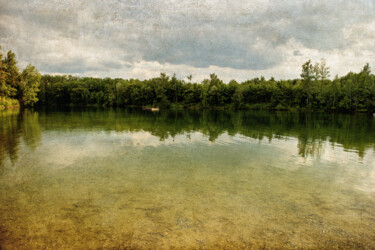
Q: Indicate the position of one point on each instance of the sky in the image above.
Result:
(236, 39)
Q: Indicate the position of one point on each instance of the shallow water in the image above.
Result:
(213, 179)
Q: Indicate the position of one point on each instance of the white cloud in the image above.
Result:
(235, 39)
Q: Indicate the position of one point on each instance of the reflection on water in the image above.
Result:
(133, 178)
(14, 126)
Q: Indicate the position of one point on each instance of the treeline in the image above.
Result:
(17, 88)
(314, 91)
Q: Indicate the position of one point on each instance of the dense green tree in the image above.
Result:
(12, 73)
(3, 87)
(314, 91)
(354, 92)
(29, 86)
(308, 73)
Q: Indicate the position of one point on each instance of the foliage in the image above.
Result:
(23, 87)
(12, 74)
(6, 103)
(353, 92)
(314, 91)
(28, 86)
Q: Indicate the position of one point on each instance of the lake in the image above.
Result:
(132, 178)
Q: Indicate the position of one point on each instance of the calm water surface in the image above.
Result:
(213, 179)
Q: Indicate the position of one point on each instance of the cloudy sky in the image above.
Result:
(236, 39)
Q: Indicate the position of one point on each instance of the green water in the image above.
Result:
(189, 179)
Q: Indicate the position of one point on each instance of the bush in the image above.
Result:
(6, 103)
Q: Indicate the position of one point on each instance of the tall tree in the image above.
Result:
(29, 86)
(3, 74)
(323, 71)
(190, 77)
(308, 73)
(12, 73)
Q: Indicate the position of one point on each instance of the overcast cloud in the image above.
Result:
(235, 39)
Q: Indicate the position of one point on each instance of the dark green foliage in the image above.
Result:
(353, 92)
(12, 73)
(314, 91)
(28, 86)
(9, 74)
(17, 88)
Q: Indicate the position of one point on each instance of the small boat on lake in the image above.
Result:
(151, 108)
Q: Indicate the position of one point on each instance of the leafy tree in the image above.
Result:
(314, 91)
(29, 86)
(12, 73)
(3, 87)
(323, 71)
(308, 73)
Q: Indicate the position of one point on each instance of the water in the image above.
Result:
(188, 179)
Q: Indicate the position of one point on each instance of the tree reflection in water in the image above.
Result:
(352, 132)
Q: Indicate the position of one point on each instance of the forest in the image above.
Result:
(313, 91)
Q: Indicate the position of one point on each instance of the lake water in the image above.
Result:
(187, 179)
